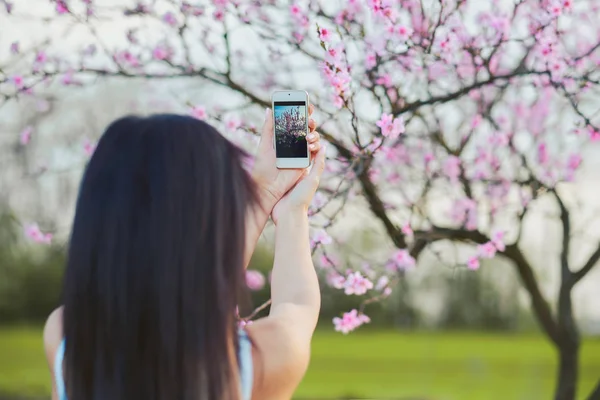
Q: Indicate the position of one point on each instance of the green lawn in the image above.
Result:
(424, 366)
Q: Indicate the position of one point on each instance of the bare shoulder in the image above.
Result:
(53, 334)
(280, 358)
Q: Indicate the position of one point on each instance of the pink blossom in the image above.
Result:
(67, 79)
(242, 324)
(255, 279)
(338, 102)
(486, 250)
(127, 58)
(160, 53)
(170, 18)
(61, 7)
(88, 147)
(452, 168)
(41, 57)
(385, 80)
(464, 212)
(14, 48)
(219, 15)
(498, 240)
(370, 60)
(26, 135)
(298, 36)
(407, 230)
(542, 153)
(594, 134)
(33, 232)
(357, 284)
(295, 10)
(199, 112)
(473, 263)
(232, 124)
(391, 127)
(476, 121)
(404, 32)
(327, 261)
(319, 200)
(335, 54)
(322, 237)
(350, 321)
(382, 283)
(335, 280)
(325, 35)
(574, 161)
(402, 259)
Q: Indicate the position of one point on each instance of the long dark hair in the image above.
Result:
(155, 264)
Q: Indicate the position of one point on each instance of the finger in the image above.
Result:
(318, 166)
(314, 147)
(313, 137)
(312, 125)
(311, 109)
(266, 137)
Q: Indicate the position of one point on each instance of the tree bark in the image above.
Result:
(595, 395)
(568, 335)
(568, 344)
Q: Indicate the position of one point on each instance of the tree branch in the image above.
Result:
(565, 219)
(377, 206)
(540, 305)
(465, 90)
(591, 263)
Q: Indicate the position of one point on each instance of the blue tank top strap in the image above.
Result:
(246, 373)
(246, 366)
(58, 371)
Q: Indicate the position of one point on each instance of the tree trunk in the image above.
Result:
(568, 344)
(595, 395)
(568, 370)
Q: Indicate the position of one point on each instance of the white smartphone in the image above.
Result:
(290, 122)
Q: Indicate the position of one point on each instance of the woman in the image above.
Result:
(166, 222)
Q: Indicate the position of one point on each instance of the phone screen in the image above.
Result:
(290, 129)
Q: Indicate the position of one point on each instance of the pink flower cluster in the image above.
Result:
(452, 168)
(321, 237)
(34, 233)
(198, 112)
(401, 260)
(351, 13)
(357, 284)
(255, 279)
(89, 147)
(465, 213)
(350, 321)
(487, 250)
(26, 135)
(391, 127)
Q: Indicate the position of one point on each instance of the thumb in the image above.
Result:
(266, 137)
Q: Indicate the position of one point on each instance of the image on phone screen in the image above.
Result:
(290, 129)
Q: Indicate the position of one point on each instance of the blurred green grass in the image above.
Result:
(371, 364)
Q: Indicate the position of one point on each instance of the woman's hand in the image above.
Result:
(299, 198)
(274, 183)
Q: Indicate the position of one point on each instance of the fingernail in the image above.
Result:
(311, 136)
